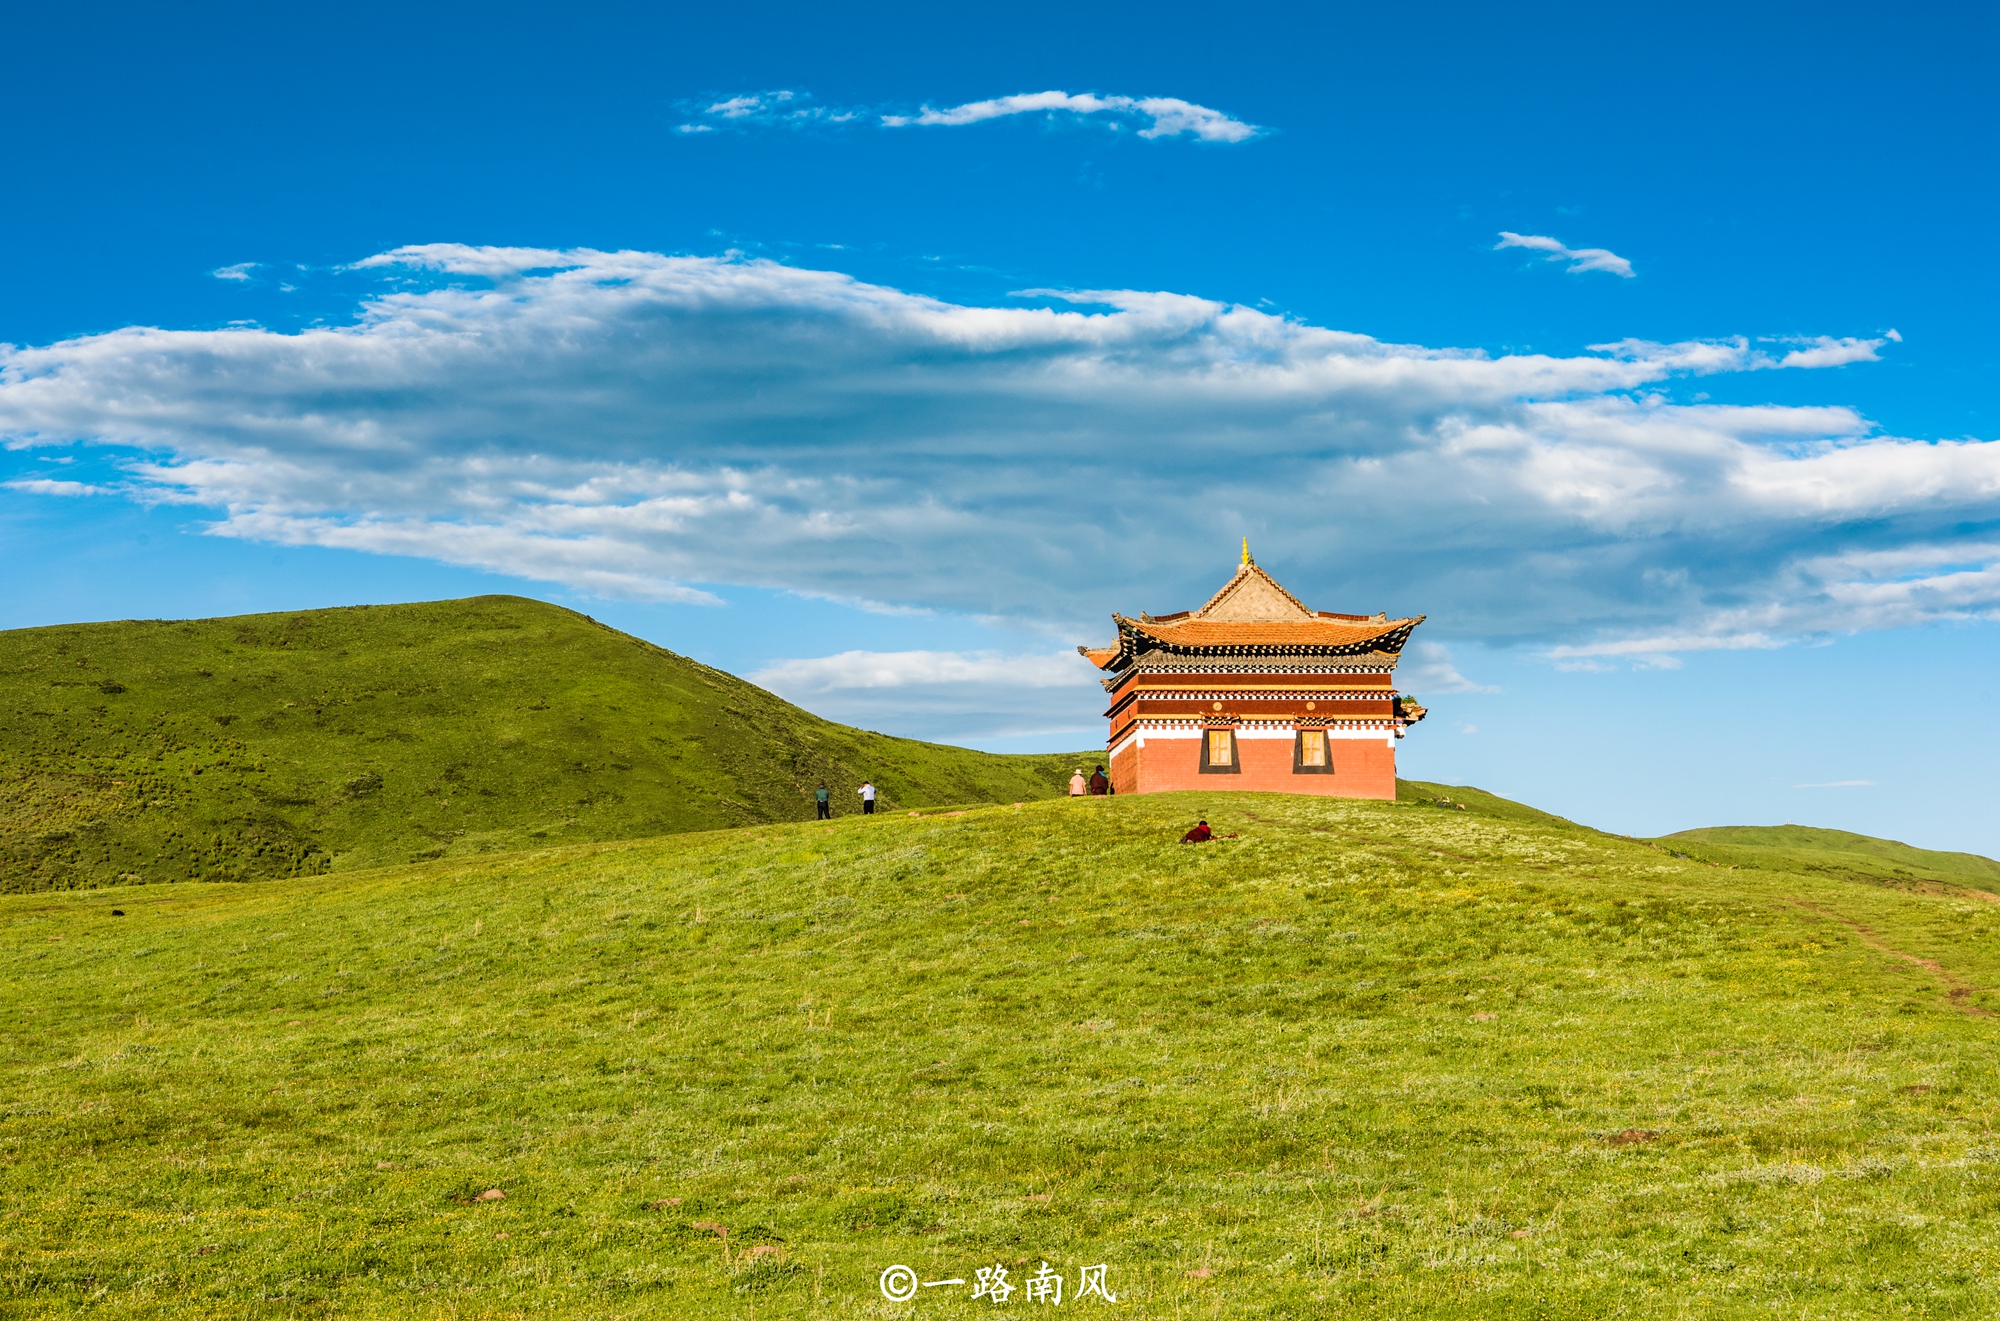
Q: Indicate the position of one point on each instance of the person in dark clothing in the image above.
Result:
(824, 801)
(1201, 834)
(1100, 783)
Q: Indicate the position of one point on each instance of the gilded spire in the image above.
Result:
(1246, 550)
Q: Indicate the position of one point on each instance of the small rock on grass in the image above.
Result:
(666, 1201)
(490, 1195)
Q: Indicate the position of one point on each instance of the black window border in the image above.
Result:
(1235, 766)
(1299, 766)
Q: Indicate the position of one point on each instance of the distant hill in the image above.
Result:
(1812, 849)
(288, 744)
(1796, 850)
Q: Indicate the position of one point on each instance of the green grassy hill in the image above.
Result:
(271, 745)
(1838, 853)
(1361, 1059)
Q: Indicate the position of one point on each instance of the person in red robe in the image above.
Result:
(1201, 834)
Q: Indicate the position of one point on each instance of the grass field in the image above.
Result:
(322, 740)
(1361, 1059)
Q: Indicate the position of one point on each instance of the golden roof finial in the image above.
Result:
(1246, 550)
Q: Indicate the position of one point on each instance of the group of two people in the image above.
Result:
(823, 799)
(1098, 783)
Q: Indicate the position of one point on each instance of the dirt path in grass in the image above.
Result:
(1957, 990)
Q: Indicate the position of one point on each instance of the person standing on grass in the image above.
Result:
(823, 800)
(1100, 783)
(867, 792)
(1078, 786)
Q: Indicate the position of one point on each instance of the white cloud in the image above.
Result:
(902, 669)
(240, 271)
(1579, 259)
(982, 694)
(647, 426)
(1157, 116)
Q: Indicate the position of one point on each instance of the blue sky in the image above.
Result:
(879, 354)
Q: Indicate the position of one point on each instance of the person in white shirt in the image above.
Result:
(1078, 786)
(867, 792)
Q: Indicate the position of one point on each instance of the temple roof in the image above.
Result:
(1252, 615)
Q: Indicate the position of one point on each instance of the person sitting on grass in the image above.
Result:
(1201, 834)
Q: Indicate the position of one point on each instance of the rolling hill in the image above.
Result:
(1375, 1060)
(289, 744)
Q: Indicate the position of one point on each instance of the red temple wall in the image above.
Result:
(1362, 768)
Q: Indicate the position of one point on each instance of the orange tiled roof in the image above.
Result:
(1252, 616)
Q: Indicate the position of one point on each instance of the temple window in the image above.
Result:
(1312, 754)
(1218, 753)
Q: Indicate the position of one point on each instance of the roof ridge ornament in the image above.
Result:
(1246, 551)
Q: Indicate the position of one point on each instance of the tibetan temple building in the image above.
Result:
(1258, 688)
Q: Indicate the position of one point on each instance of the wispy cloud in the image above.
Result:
(1822, 351)
(1164, 116)
(240, 271)
(46, 486)
(1154, 116)
(1704, 357)
(1428, 668)
(778, 108)
(1579, 259)
(1839, 784)
(641, 425)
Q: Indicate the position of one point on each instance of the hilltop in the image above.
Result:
(297, 743)
(1358, 1059)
